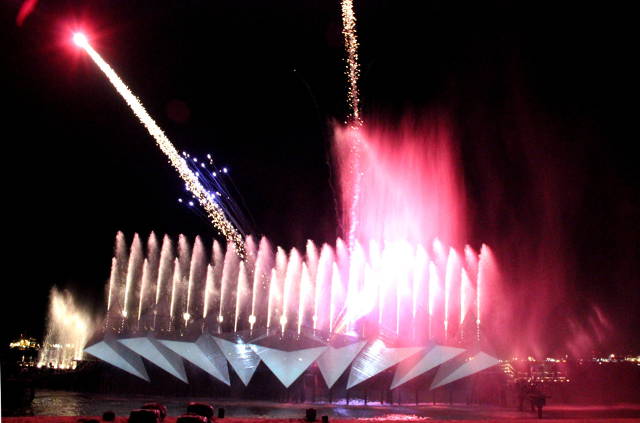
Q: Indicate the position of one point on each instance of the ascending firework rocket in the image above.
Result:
(206, 200)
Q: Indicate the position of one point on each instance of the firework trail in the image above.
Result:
(353, 67)
(213, 210)
(214, 180)
(354, 119)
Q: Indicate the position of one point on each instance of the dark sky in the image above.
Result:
(542, 98)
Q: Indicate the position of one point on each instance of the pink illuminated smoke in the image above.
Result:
(410, 188)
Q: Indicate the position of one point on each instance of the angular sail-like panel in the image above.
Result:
(411, 368)
(288, 365)
(376, 358)
(205, 354)
(334, 361)
(241, 357)
(151, 349)
(456, 369)
(117, 355)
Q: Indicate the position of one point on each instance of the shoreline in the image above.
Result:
(406, 419)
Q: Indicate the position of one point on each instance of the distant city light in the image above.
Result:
(25, 343)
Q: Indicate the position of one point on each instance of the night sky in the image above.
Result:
(542, 99)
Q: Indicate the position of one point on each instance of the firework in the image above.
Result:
(219, 186)
(213, 210)
(355, 120)
(353, 67)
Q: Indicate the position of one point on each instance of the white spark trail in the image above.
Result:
(355, 120)
(215, 213)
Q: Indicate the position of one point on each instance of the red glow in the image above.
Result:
(28, 6)
(410, 188)
(410, 197)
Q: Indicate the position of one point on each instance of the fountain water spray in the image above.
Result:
(68, 330)
(390, 287)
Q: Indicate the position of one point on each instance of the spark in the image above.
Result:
(354, 120)
(213, 210)
(219, 191)
(353, 67)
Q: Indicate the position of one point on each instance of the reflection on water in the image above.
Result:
(62, 403)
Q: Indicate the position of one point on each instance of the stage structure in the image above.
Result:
(363, 311)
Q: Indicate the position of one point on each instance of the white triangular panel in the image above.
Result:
(474, 364)
(411, 368)
(204, 353)
(158, 354)
(114, 353)
(288, 365)
(334, 361)
(376, 358)
(241, 357)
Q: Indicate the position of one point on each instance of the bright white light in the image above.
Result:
(80, 39)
